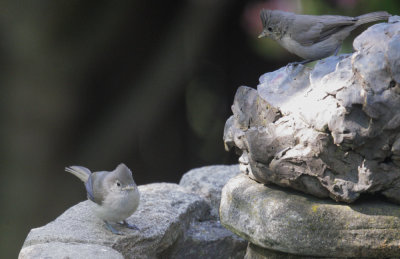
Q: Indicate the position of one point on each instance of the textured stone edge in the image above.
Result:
(114, 244)
(68, 250)
(374, 251)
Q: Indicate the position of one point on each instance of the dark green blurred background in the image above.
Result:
(147, 83)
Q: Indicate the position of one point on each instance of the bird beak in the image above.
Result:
(128, 188)
(263, 34)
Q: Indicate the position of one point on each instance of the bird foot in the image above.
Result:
(303, 62)
(293, 67)
(126, 224)
(293, 64)
(113, 230)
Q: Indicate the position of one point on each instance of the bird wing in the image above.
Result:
(89, 189)
(95, 191)
(310, 29)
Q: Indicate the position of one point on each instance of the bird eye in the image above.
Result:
(118, 184)
(269, 28)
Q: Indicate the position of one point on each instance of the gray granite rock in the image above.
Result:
(165, 211)
(208, 182)
(256, 252)
(290, 222)
(54, 250)
(173, 223)
(331, 131)
(208, 239)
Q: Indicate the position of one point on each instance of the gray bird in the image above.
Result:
(115, 194)
(312, 37)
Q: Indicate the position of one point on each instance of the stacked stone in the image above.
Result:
(330, 132)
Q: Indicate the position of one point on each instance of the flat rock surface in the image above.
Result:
(256, 252)
(163, 214)
(291, 222)
(174, 222)
(65, 250)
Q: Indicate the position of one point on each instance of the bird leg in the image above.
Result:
(126, 224)
(337, 49)
(293, 65)
(113, 230)
(300, 62)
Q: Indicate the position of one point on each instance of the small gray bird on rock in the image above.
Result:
(114, 194)
(312, 37)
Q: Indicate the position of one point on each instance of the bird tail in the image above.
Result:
(372, 17)
(79, 171)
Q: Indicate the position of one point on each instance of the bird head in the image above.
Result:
(265, 16)
(121, 179)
